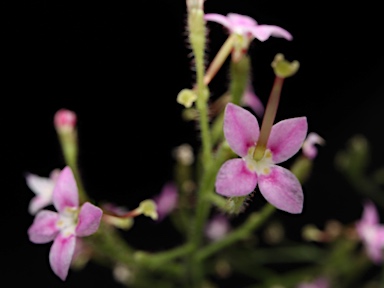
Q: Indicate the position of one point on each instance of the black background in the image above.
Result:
(120, 64)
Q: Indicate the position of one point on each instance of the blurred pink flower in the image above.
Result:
(309, 149)
(166, 201)
(371, 232)
(217, 227)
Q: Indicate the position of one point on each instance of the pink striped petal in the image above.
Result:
(61, 253)
(89, 220)
(65, 193)
(234, 179)
(263, 32)
(286, 138)
(282, 189)
(218, 19)
(241, 129)
(370, 214)
(43, 228)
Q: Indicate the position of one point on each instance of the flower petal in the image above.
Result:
(43, 228)
(223, 20)
(89, 220)
(263, 32)
(370, 214)
(241, 129)
(286, 138)
(61, 253)
(234, 179)
(282, 189)
(251, 100)
(39, 185)
(65, 193)
(166, 201)
(37, 203)
(309, 149)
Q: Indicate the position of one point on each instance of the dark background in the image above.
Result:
(120, 64)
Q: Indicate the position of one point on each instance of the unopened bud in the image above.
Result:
(184, 154)
(284, 68)
(65, 120)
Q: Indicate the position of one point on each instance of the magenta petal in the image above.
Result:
(251, 100)
(263, 32)
(286, 138)
(234, 179)
(241, 129)
(167, 200)
(370, 214)
(65, 193)
(89, 220)
(43, 228)
(218, 19)
(282, 189)
(241, 20)
(60, 255)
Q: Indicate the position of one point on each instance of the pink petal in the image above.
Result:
(309, 148)
(241, 20)
(241, 129)
(286, 138)
(89, 220)
(65, 193)
(61, 253)
(370, 214)
(251, 100)
(37, 203)
(166, 201)
(218, 19)
(263, 32)
(282, 189)
(375, 253)
(43, 228)
(39, 185)
(234, 179)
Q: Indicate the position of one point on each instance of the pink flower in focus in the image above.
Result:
(251, 100)
(247, 26)
(217, 227)
(317, 283)
(239, 177)
(43, 188)
(64, 227)
(65, 120)
(166, 201)
(371, 232)
(309, 148)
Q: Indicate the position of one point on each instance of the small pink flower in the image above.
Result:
(317, 283)
(43, 188)
(309, 148)
(166, 201)
(251, 100)
(64, 227)
(65, 120)
(217, 228)
(371, 232)
(248, 27)
(239, 177)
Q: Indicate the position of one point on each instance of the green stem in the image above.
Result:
(269, 118)
(254, 221)
(239, 78)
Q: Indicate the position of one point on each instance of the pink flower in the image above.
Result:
(371, 232)
(239, 177)
(43, 188)
(317, 283)
(246, 26)
(64, 227)
(217, 227)
(166, 201)
(65, 120)
(309, 148)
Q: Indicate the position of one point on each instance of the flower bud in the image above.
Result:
(65, 120)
